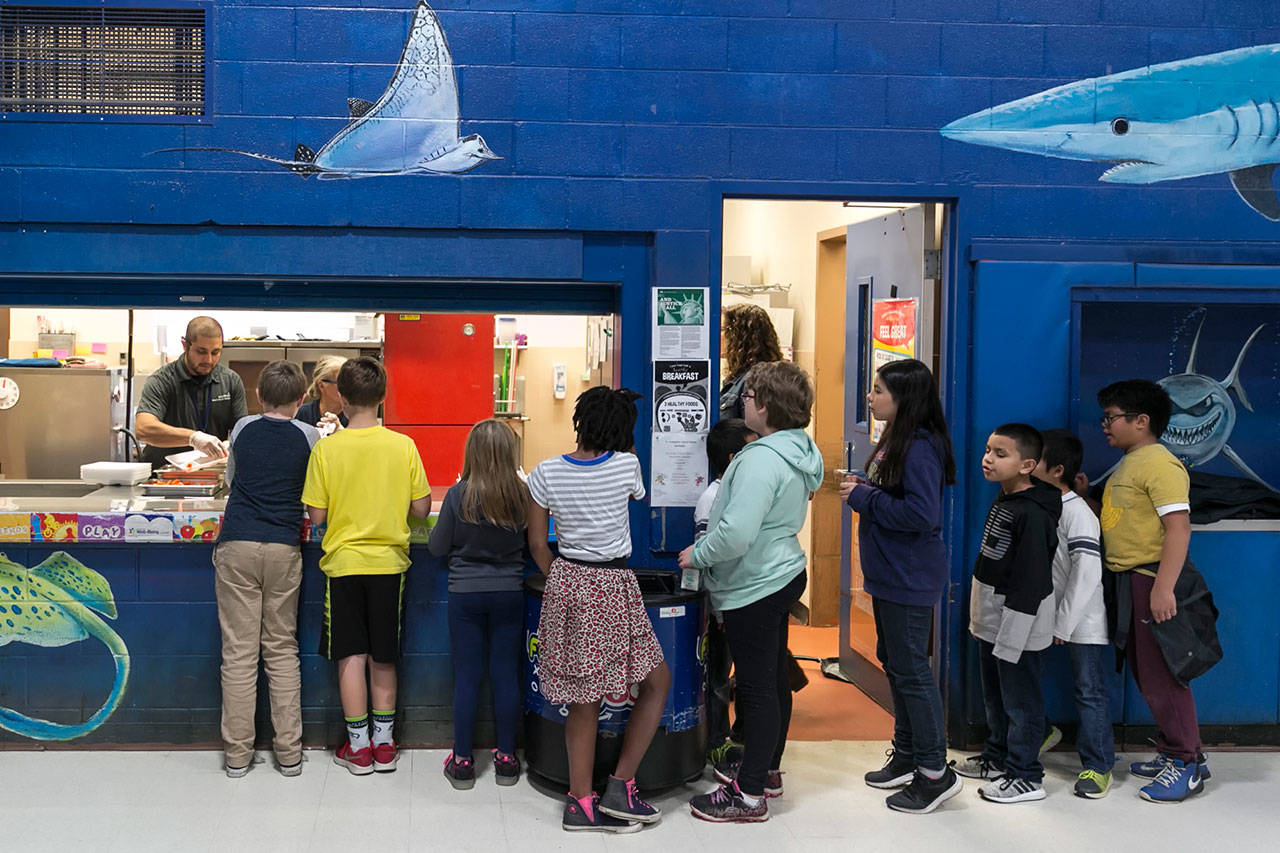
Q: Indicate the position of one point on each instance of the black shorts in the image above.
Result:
(362, 616)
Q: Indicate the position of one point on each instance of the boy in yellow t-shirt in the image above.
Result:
(364, 481)
(1146, 531)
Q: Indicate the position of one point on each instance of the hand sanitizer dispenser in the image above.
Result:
(560, 380)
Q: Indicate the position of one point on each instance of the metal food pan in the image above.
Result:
(203, 490)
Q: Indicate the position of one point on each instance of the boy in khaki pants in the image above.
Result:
(258, 569)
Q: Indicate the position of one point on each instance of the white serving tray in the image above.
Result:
(115, 473)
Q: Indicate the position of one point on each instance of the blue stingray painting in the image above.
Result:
(412, 129)
(1199, 116)
(53, 605)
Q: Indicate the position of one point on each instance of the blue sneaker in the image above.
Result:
(1176, 782)
(1151, 768)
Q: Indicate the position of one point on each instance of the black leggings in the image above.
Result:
(758, 639)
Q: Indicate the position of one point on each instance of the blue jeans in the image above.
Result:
(1015, 711)
(486, 626)
(1095, 741)
(902, 646)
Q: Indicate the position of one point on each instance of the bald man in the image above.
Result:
(192, 402)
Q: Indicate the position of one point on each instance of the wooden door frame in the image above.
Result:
(828, 426)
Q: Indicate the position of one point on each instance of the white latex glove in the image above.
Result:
(329, 424)
(209, 445)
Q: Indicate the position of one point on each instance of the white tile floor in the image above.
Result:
(181, 801)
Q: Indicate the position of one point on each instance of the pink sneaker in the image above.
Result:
(359, 762)
(385, 757)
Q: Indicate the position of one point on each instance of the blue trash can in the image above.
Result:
(678, 751)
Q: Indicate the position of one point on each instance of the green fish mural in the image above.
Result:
(52, 605)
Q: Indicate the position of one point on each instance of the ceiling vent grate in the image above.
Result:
(133, 61)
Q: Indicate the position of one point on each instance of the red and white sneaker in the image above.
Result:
(359, 762)
(385, 757)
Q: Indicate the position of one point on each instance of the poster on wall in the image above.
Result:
(893, 338)
(679, 468)
(681, 418)
(681, 327)
(681, 396)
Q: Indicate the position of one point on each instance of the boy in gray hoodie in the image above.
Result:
(755, 571)
(1011, 615)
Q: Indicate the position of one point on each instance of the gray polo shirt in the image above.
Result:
(210, 403)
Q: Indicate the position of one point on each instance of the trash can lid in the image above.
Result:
(658, 587)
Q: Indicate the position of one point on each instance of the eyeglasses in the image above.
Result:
(1107, 420)
(329, 381)
(747, 395)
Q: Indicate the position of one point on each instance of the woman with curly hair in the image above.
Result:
(747, 338)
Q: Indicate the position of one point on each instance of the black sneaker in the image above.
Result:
(897, 771)
(726, 805)
(461, 772)
(577, 820)
(727, 770)
(506, 768)
(923, 794)
(621, 800)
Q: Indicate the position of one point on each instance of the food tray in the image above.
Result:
(209, 475)
(178, 490)
(115, 473)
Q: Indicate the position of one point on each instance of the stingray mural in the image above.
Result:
(412, 129)
(1203, 412)
(53, 605)
(1199, 116)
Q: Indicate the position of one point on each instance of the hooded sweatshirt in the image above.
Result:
(1011, 603)
(751, 550)
(900, 530)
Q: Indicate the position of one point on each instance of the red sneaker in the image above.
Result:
(385, 757)
(359, 762)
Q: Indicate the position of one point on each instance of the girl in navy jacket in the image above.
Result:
(905, 570)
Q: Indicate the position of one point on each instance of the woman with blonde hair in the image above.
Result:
(481, 529)
(322, 393)
(747, 338)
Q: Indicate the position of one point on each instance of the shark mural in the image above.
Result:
(53, 605)
(412, 129)
(1199, 116)
(1204, 413)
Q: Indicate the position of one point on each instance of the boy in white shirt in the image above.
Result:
(725, 439)
(1080, 621)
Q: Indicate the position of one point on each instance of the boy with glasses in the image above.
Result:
(1146, 531)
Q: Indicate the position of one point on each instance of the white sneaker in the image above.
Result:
(978, 767)
(1007, 789)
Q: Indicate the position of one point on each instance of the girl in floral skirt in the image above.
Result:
(594, 635)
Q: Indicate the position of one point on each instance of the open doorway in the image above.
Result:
(825, 271)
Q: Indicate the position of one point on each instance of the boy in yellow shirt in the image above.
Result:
(363, 482)
(1146, 531)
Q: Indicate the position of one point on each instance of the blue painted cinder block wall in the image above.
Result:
(625, 124)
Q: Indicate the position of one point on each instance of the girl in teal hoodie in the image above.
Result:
(755, 571)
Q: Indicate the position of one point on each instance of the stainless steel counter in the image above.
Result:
(17, 496)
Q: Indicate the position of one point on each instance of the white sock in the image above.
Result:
(383, 723)
(933, 774)
(751, 801)
(358, 732)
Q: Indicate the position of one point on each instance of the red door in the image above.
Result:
(439, 383)
(439, 368)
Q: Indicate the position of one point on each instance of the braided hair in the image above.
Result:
(604, 418)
